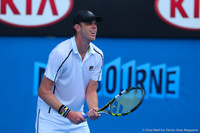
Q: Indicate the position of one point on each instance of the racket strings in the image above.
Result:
(126, 102)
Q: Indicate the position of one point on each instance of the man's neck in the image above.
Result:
(82, 46)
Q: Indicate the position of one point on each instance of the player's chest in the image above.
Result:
(76, 65)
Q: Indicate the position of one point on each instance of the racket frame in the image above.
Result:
(102, 110)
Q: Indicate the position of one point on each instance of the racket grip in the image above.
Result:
(85, 116)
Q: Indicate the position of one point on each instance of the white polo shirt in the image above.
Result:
(71, 74)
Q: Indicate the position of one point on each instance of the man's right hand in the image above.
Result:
(75, 117)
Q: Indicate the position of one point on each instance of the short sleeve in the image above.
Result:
(54, 69)
(97, 72)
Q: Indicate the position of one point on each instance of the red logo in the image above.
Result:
(34, 13)
(91, 68)
(182, 14)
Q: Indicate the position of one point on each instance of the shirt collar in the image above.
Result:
(75, 49)
(74, 46)
(91, 49)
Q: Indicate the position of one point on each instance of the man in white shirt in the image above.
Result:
(73, 70)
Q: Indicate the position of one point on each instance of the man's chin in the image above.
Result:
(92, 39)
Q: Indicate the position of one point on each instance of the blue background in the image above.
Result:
(18, 102)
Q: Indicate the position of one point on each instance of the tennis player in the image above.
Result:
(73, 70)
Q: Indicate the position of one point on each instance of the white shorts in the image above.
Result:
(55, 123)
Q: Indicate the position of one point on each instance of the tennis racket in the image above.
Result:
(124, 103)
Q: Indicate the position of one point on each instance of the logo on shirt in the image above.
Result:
(91, 68)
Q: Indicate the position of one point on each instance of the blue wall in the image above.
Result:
(168, 70)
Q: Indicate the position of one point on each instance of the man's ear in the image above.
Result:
(77, 27)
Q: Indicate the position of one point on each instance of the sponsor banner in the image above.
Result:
(34, 13)
(158, 81)
(152, 18)
(182, 14)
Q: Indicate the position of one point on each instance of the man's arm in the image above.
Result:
(46, 94)
(92, 100)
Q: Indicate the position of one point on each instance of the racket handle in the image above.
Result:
(85, 116)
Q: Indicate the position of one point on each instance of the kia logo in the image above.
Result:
(34, 13)
(182, 14)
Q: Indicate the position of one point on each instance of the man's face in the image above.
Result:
(89, 30)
